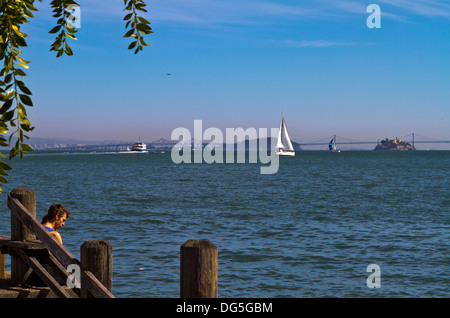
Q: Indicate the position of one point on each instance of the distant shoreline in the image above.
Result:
(48, 144)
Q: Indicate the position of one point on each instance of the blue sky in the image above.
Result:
(241, 64)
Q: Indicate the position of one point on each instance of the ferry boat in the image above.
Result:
(139, 146)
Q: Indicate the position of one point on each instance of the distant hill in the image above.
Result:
(64, 144)
(160, 144)
(248, 144)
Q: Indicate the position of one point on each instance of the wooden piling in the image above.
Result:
(198, 269)
(2, 264)
(19, 232)
(96, 257)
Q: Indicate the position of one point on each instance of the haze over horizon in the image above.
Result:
(241, 64)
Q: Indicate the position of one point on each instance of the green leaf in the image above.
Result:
(25, 89)
(6, 106)
(143, 20)
(26, 148)
(55, 29)
(5, 166)
(23, 65)
(8, 78)
(71, 36)
(143, 27)
(8, 116)
(3, 180)
(132, 45)
(25, 121)
(26, 99)
(22, 60)
(3, 128)
(68, 50)
(129, 33)
(20, 41)
(9, 94)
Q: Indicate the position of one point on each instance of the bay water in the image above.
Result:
(310, 230)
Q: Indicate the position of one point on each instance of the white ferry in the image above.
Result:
(139, 146)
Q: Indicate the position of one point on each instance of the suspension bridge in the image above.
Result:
(412, 139)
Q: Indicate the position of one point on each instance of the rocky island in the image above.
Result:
(394, 144)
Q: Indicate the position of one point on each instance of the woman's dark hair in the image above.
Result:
(55, 210)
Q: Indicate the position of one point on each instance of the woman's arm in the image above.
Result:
(57, 235)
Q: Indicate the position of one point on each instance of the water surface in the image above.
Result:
(311, 230)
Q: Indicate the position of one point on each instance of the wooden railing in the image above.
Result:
(35, 254)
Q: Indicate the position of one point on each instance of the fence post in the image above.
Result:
(20, 232)
(96, 257)
(198, 269)
(2, 264)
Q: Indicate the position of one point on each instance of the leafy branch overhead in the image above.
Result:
(138, 26)
(15, 96)
(66, 29)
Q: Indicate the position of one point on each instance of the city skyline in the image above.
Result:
(243, 64)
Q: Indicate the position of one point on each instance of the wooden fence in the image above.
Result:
(37, 257)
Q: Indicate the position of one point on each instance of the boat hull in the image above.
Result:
(139, 147)
(285, 153)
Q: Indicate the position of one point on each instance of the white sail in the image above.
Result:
(279, 142)
(284, 144)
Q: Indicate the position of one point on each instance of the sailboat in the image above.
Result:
(332, 145)
(284, 144)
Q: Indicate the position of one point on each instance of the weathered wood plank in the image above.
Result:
(2, 255)
(2, 264)
(44, 275)
(33, 245)
(94, 286)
